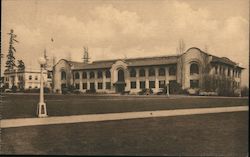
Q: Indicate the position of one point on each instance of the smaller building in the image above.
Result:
(26, 79)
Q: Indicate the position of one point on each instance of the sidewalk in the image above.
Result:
(8, 123)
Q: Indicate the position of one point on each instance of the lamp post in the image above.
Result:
(41, 106)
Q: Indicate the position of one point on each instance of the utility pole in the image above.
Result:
(86, 55)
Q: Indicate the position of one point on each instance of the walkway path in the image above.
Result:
(8, 123)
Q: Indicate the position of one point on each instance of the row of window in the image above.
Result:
(132, 85)
(222, 70)
(92, 85)
(172, 72)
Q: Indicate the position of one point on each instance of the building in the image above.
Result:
(190, 70)
(27, 79)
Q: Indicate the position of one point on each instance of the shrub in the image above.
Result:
(14, 88)
(245, 91)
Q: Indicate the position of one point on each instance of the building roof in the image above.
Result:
(144, 61)
(215, 59)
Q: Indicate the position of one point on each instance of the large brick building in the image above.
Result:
(133, 74)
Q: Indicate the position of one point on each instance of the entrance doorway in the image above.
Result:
(120, 84)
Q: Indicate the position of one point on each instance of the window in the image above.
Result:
(99, 74)
(121, 75)
(77, 86)
(151, 72)
(133, 85)
(84, 86)
(216, 70)
(30, 77)
(84, 75)
(151, 84)
(194, 69)
(194, 83)
(161, 83)
(20, 78)
(142, 84)
(49, 75)
(132, 73)
(142, 73)
(63, 75)
(36, 87)
(108, 85)
(172, 70)
(63, 85)
(92, 86)
(77, 76)
(161, 72)
(36, 78)
(228, 72)
(99, 85)
(30, 87)
(107, 73)
(91, 74)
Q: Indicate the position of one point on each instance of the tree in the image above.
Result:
(180, 50)
(21, 65)
(10, 63)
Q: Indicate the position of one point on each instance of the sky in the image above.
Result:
(125, 28)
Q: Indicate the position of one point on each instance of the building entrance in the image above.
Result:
(120, 84)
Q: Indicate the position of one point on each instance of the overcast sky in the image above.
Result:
(131, 28)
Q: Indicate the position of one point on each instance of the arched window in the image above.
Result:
(151, 72)
(84, 75)
(91, 74)
(107, 73)
(172, 70)
(132, 73)
(194, 69)
(142, 72)
(77, 76)
(161, 72)
(63, 75)
(121, 75)
(99, 74)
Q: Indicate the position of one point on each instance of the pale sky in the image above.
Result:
(131, 28)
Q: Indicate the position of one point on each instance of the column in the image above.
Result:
(156, 79)
(80, 81)
(104, 80)
(166, 74)
(88, 83)
(96, 83)
(167, 80)
(137, 79)
(146, 76)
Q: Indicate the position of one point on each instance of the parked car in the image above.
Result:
(76, 91)
(125, 92)
(161, 92)
(8, 90)
(146, 91)
(193, 91)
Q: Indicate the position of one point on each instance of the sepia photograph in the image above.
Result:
(124, 77)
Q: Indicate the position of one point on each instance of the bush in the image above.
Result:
(91, 91)
(14, 88)
(245, 91)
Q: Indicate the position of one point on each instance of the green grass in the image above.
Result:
(224, 134)
(24, 106)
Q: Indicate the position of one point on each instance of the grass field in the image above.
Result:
(24, 106)
(224, 134)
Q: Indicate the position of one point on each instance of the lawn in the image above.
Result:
(223, 134)
(24, 106)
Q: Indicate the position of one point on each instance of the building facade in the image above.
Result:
(190, 70)
(27, 79)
